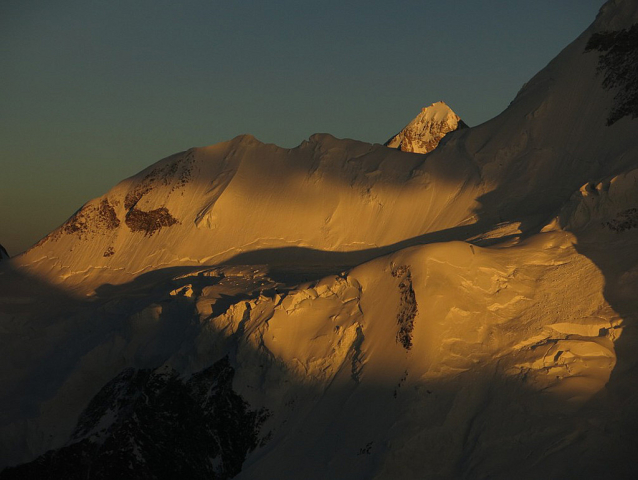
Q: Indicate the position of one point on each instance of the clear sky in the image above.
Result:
(94, 91)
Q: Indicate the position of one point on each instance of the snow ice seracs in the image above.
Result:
(510, 353)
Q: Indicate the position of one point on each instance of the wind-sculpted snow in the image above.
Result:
(469, 313)
(211, 204)
(610, 203)
(324, 354)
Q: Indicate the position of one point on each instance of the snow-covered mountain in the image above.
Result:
(427, 129)
(346, 310)
(213, 204)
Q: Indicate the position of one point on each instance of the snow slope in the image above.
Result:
(362, 312)
(345, 196)
(427, 129)
(210, 204)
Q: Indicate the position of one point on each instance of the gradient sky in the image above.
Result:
(94, 91)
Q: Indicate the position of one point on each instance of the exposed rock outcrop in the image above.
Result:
(154, 424)
(423, 134)
(618, 62)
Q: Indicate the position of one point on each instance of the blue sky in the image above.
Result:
(94, 91)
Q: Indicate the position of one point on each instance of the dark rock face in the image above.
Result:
(147, 424)
(3, 253)
(149, 222)
(177, 174)
(407, 307)
(427, 139)
(92, 219)
(619, 65)
(625, 220)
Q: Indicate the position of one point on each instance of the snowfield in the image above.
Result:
(349, 310)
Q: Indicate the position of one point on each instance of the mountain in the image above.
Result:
(217, 204)
(3, 253)
(347, 310)
(213, 444)
(423, 134)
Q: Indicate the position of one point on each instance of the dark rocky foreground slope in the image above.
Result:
(154, 424)
(468, 313)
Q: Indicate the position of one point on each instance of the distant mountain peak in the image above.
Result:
(423, 134)
(3, 253)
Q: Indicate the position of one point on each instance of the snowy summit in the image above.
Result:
(346, 310)
(423, 134)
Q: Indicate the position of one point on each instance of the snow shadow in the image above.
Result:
(476, 424)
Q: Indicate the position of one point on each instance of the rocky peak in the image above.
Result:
(3, 254)
(423, 134)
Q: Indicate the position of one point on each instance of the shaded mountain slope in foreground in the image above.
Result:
(152, 424)
(469, 313)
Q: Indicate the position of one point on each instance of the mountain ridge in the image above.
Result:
(424, 133)
(477, 319)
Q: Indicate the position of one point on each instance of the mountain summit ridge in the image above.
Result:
(427, 129)
(371, 313)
